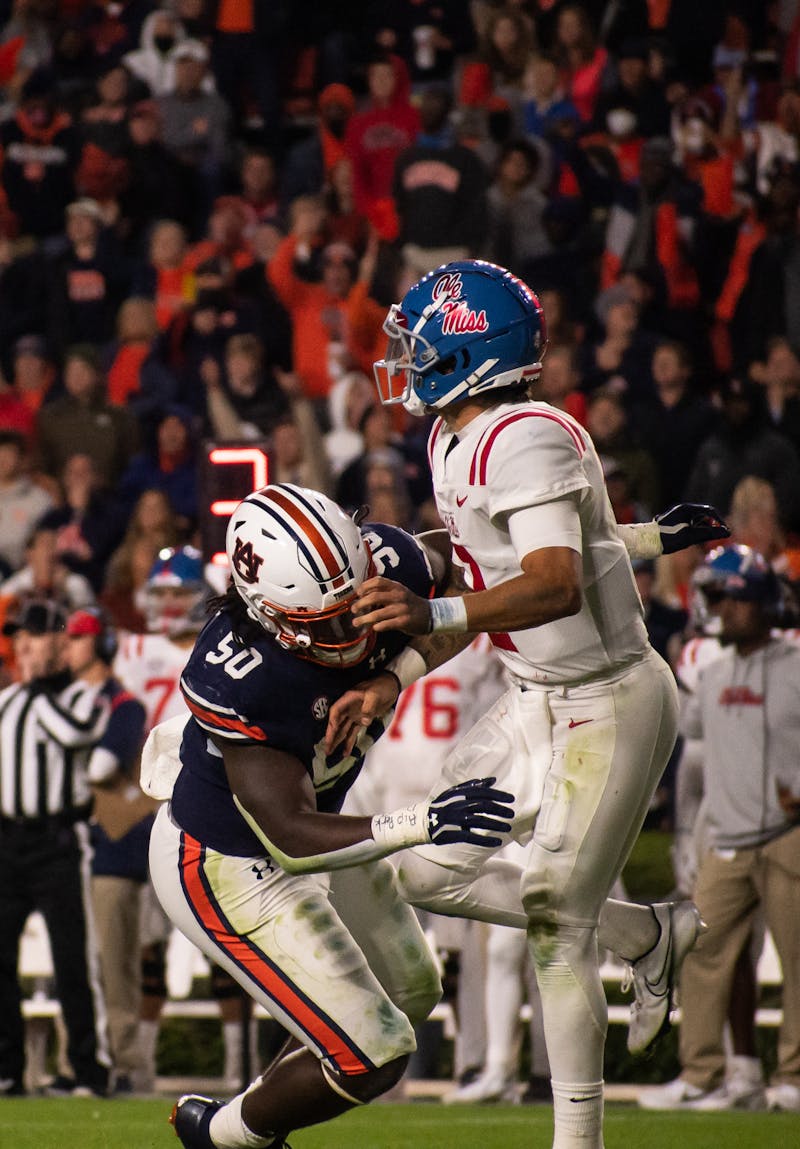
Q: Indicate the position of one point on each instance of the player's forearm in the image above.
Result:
(520, 603)
(317, 843)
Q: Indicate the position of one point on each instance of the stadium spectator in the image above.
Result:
(619, 358)
(152, 63)
(162, 274)
(247, 45)
(46, 575)
(245, 399)
(381, 441)
(583, 61)
(439, 190)
(167, 464)
(39, 148)
(348, 400)
(258, 189)
(196, 127)
(86, 282)
(33, 372)
(298, 455)
(152, 526)
(15, 414)
(88, 523)
(558, 382)
(137, 378)
(614, 436)
(83, 420)
(430, 36)
(734, 340)
(102, 172)
(675, 420)
(156, 184)
(310, 161)
(652, 228)
(635, 90)
(317, 310)
(516, 234)
(545, 107)
(22, 501)
(374, 139)
(495, 78)
(779, 375)
(742, 444)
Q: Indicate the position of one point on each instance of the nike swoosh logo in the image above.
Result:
(580, 722)
(578, 1100)
(460, 502)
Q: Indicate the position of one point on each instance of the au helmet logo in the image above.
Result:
(458, 318)
(246, 562)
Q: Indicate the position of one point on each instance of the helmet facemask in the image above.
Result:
(329, 637)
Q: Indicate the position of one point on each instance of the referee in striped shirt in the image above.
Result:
(48, 724)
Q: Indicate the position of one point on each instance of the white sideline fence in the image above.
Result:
(185, 963)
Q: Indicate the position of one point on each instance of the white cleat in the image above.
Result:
(677, 1094)
(784, 1096)
(655, 973)
(489, 1087)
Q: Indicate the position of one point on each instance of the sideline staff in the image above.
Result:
(48, 724)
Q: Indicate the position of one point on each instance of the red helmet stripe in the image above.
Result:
(333, 563)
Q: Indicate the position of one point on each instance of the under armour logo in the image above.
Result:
(245, 561)
(266, 868)
(377, 659)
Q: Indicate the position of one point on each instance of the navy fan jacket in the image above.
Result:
(264, 695)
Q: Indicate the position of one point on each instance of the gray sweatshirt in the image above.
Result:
(747, 710)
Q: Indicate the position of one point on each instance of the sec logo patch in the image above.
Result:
(319, 708)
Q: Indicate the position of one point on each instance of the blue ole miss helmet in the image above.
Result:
(464, 329)
(740, 573)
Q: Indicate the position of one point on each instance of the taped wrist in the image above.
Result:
(407, 667)
(402, 828)
(642, 540)
(448, 614)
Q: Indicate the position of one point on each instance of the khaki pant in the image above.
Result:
(116, 913)
(729, 891)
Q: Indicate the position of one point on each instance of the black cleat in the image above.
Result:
(191, 1118)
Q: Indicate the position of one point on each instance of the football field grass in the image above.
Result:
(79, 1124)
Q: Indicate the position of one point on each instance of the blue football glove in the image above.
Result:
(687, 524)
(472, 812)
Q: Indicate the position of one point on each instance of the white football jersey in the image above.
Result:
(526, 455)
(695, 656)
(430, 717)
(150, 666)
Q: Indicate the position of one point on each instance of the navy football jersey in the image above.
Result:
(262, 694)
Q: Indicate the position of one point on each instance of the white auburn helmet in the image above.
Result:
(297, 560)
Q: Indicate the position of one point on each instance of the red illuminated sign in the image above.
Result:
(229, 472)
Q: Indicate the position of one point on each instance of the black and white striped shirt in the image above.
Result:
(46, 737)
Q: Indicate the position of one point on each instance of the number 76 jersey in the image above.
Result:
(150, 667)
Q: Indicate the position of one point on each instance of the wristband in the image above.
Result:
(448, 614)
(405, 827)
(407, 667)
(642, 540)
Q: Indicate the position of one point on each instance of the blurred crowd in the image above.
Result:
(207, 207)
